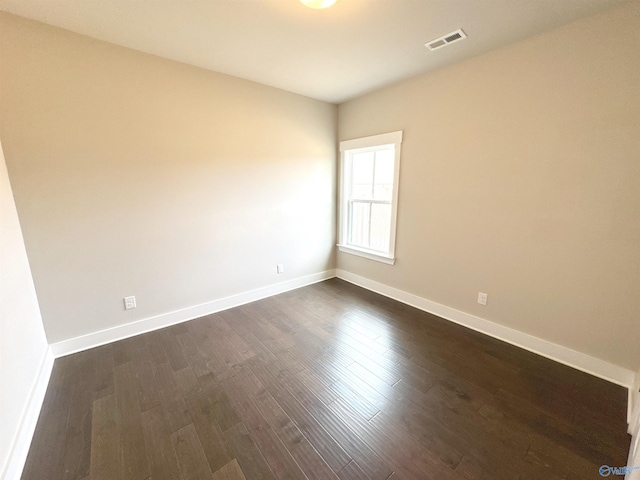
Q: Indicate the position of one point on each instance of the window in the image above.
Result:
(369, 196)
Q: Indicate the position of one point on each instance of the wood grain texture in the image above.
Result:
(193, 462)
(231, 471)
(328, 381)
(106, 461)
(161, 454)
(133, 452)
(245, 451)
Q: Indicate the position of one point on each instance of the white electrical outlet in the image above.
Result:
(279, 268)
(129, 303)
(482, 298)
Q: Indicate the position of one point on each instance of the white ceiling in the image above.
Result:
(334, 55)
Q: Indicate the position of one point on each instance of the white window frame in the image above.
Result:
(347, 149)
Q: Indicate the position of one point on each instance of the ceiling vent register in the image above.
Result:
(445, 40)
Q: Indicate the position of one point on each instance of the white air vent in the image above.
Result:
(446, 40)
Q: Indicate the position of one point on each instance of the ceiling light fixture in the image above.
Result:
(318, 4)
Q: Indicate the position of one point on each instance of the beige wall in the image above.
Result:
(23, 345)
(520, 177)
(135, 175)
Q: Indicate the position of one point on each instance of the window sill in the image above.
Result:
(371, 255)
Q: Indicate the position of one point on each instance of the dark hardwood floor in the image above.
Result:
(327, 381)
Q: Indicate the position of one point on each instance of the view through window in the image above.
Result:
(369, 184)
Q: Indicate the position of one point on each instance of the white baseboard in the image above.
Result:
(594, 366)
(19, 449)
(120, 332)
(566, 356)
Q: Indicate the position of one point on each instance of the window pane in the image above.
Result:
(362, 175)
(383, 174)
(380, 226)
(361, 191)
(359, 225)
(367, 190)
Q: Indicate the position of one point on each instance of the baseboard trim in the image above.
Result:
(19, 448)
(572, 358)
(120, 332)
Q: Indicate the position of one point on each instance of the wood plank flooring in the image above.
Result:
(328, 381)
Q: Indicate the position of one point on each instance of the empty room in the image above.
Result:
(319, 239)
